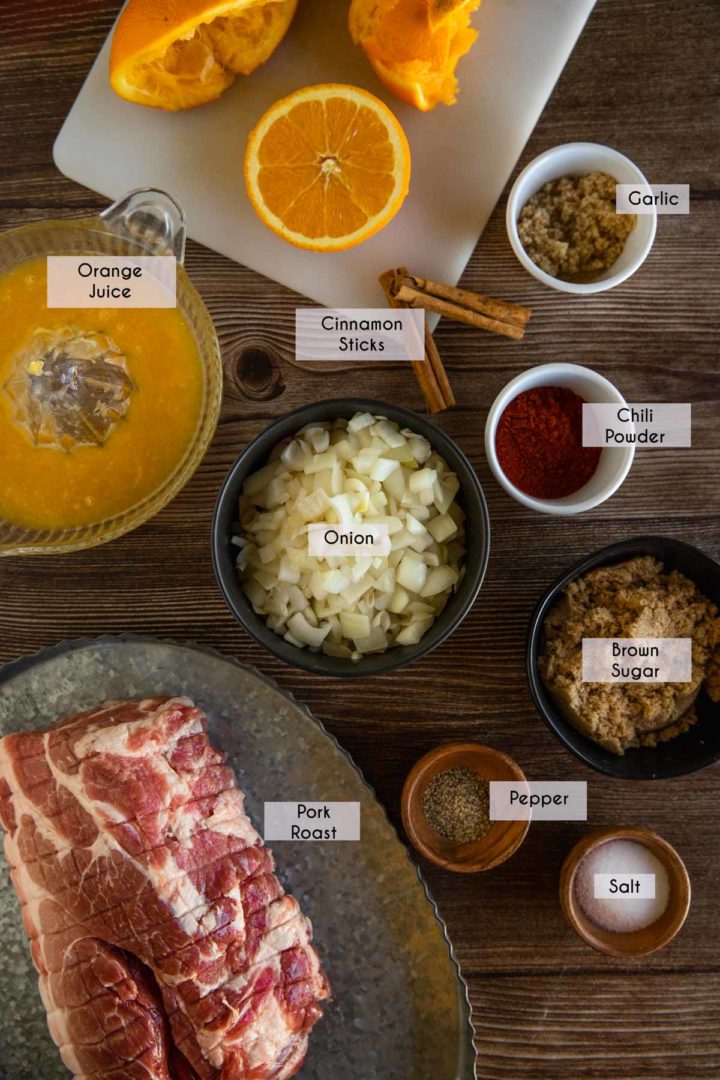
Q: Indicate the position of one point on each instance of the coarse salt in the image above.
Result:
(622, 913)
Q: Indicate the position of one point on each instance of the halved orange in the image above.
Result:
(175, 54)
(327, 167)
(415, 45)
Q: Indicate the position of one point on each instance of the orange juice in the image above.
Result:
(44, 486)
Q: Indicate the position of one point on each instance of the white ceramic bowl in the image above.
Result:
(615, 461)
(579, 159)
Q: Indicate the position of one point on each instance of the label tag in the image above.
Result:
(111, 281)
(628, 660)
(541, 800)
(324, 540)
(624, 886)
(649, 426)
(312, 821)
(649, 198)
(359, 334)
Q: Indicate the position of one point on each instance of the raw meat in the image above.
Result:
(166, 947)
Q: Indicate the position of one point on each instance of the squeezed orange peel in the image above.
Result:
(415, 45)
(176, 54)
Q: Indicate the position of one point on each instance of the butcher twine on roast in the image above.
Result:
(166, 947)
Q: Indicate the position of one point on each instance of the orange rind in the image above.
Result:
(415, 45)
(176, 54)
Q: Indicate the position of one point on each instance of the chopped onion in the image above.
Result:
(354, 625)
(301, 629)
(399, 600)
(412, 572)
(442, 528)
(422, 480)
(382, 469)
(439, 580)
(351, 473)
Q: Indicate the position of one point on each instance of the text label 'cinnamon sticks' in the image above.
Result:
(359, 334)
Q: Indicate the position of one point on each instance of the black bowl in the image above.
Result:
(470, 497)
(687, 753)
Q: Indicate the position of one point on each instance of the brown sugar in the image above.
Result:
(632, 599)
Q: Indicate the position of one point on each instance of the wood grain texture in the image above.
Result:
(605, 1029)
(644, 78)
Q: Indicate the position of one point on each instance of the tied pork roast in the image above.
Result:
(166, 947)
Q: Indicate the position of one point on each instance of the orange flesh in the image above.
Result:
(326, 167)
(49, 488)
(209, 50)
(415, 45)
(404, 34)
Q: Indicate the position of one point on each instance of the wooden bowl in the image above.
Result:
(637, 942)
(502, 839)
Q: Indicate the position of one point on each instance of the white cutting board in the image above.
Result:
(462, 156)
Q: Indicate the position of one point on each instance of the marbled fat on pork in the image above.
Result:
(166, 947)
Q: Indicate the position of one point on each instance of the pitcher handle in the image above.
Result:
(151, 218)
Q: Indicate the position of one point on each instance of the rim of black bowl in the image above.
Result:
(256, 454)
(696, 748)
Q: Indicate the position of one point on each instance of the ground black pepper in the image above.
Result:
(456, 803)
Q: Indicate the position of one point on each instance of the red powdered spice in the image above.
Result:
(539, 443)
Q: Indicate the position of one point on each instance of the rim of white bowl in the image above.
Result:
(511, 215)
(553, 375)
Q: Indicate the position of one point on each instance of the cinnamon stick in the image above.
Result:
(473, 309)
(501, 310)
(413, 298)
(438, 368)
(430, 373)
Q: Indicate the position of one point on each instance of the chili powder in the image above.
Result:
(539, 443)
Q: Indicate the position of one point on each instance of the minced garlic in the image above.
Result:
(571, 229)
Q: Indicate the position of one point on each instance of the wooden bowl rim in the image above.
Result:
(410, 808)
(615, 943)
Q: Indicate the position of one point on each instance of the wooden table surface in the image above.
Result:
(643, 78)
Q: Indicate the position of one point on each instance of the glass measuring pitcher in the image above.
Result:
(145, 222)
